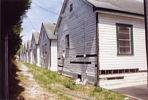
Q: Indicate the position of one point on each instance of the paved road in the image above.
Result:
(140, 92)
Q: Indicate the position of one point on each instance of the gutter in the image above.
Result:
(97, 48)
(146, 36)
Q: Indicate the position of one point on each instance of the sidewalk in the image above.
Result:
(139, 92)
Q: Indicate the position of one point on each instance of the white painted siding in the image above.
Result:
(80, 24)
(53, 66)
(108, 43)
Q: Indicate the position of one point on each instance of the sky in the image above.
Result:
(38, 13)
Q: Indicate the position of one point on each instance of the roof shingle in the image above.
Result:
(50, 28)
(36, 37)
(131, 6)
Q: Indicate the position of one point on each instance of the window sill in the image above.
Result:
(125, 54)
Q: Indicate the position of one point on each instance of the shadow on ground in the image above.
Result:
(14, 88)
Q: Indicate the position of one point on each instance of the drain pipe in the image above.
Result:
(97, 50)
(146, 35)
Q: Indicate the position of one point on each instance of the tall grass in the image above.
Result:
(47, 77)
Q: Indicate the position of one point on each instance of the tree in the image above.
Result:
(12, 14)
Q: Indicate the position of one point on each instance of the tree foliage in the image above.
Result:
(12, 14)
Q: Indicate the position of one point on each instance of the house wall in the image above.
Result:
(53, 56)
(80, 24)
(44, 55)
(108, 43)
(34, 52)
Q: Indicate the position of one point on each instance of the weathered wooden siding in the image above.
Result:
(44, 57)
(35, 57)
(80, 24)
(108, 43)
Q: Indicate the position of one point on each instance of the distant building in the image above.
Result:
(35, 48)
(48, 46)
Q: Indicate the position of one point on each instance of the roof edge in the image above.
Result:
(116, 11)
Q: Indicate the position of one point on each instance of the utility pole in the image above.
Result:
(146, 31)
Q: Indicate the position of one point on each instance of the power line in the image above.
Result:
(31, 23)
(45, 9)
(26, 30)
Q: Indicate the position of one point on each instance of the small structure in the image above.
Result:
(29, 51)
(48, 46)
(35, 48)
(102, 40)
(25, 52)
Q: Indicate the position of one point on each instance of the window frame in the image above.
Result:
(71, 7)
(131, 42)
(67, 44)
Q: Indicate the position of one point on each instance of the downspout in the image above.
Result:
(97, 48)
(146, 36)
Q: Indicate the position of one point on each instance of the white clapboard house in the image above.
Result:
(48, 46)
(29, 51)
(35, 48)
(102, 41)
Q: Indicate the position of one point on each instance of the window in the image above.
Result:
(67, 41)
(45, 48)
(124, 39)
(71, 7)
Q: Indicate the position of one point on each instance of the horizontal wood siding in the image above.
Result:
(44, 57)
(80, 24)
(108, 43)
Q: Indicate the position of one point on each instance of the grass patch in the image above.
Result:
(51, 80)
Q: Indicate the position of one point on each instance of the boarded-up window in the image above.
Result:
(124, 39)
(67, 41)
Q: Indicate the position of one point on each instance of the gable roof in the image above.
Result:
(36, 37)
(131, 7)
(50, 28)
(126, 6)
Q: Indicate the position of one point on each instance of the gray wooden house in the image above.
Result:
(48, 46)
(35, 48)
(29, 51)
(102, 40)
